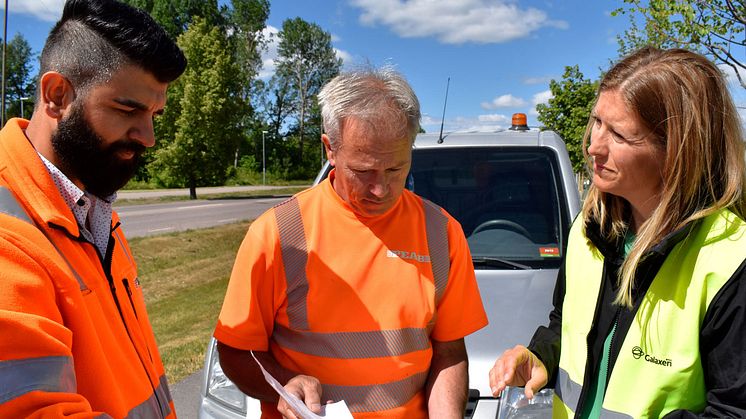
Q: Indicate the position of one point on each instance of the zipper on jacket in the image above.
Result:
(611, 345)
(107, 270)
(129, 296)
(127, 288)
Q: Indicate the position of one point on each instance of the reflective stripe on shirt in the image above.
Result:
(353, 345)
(295, 259)
(377, 397)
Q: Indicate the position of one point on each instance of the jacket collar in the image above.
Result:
(22, 169)
(612, 251)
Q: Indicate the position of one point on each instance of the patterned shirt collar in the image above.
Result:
(93, 214)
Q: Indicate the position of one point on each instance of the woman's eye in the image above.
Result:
(618, 138)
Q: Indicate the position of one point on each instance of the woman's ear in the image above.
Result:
(56, 94)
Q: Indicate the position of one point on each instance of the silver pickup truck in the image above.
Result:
(515, 195)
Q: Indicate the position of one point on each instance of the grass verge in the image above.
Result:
(184, 276)
(290, 190)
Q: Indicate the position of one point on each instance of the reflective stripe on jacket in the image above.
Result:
(76, 339)
(658, 369)
(349, 346)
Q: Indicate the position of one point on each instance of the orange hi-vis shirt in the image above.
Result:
(365, 310)
(75, 340)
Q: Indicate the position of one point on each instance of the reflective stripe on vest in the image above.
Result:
(9, 205)
(377, 397)
(54, 374)
(151, 408)
(658, 368)
(567, 396)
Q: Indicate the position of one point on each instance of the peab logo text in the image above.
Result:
(638, 353)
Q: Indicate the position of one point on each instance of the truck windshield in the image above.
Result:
(508, 200)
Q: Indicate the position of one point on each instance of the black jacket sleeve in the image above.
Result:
(723, 350)
(545, 343)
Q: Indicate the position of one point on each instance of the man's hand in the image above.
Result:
(307, 389)
(518, 367)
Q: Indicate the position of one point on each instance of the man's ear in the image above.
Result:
(328, 147)
(57, 93)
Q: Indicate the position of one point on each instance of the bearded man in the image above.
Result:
(76, 340)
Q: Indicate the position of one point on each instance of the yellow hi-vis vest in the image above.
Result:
(658, 369)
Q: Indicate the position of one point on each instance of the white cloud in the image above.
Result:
(482, 123)
(456, 21)
(504, 101)
(493, 118)
(735, 87)
(541, 97)
(538, 80)
(269, 55)
(48, 10)
(344, 55)
(429, 120)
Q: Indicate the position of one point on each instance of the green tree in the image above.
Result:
(713, 27)
(568, 111)
(20, 82)
(176, 15)
(247, 20)
(306, 60)
(146, 5)
(205, 127)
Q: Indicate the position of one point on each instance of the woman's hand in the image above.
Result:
(518, 367)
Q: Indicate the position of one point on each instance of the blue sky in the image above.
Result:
(499, 54)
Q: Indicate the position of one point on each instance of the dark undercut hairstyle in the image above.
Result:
(95, 38)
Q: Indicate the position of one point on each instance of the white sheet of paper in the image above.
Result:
(337, 410)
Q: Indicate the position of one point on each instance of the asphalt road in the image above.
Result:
(151, 219)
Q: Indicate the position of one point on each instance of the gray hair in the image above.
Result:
(380, 95)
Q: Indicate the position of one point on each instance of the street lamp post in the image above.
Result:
(22, 100)
(264, 167)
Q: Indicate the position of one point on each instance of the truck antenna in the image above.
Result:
(440, 136)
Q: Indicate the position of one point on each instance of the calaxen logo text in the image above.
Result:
(638, 353)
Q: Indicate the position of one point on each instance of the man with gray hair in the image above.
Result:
(356, 289)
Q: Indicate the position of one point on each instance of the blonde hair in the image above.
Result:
(682, 98)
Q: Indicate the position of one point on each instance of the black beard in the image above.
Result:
(82, 155)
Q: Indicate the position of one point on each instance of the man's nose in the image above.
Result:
(380, 186)
(143, 132)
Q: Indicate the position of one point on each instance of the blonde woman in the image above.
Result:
(649, 314)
